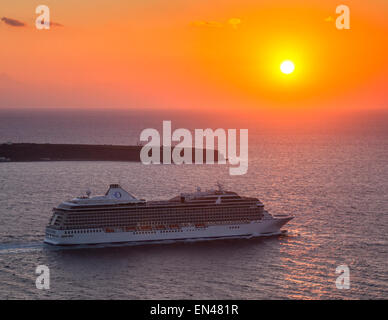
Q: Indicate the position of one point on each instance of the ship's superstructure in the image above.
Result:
(118, 216)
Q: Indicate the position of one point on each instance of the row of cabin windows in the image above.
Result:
(161, 223)
(136, 232)
(158, 209)
(83, 231)
(165, 221)
(163, 217)
(166, 218)
(168, 213)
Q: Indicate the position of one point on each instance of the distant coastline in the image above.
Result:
(27, 152)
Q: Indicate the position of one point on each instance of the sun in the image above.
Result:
(287, 67)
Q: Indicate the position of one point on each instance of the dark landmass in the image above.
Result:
(18, 152)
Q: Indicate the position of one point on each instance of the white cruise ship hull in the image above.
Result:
(264, 227)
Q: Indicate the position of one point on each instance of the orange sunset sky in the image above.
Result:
(195, 55)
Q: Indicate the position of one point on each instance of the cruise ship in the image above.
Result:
(119, 217)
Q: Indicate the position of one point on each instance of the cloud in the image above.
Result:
(13, 22)
(54, 24)
(17, 23)
(210, 24)
(233, 22)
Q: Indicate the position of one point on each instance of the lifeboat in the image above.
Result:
(130, 228)
(145, 228)
(200, 225)
(109, 230)
(160, 227)
(174, 226)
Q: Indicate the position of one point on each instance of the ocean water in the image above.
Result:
(334, 185)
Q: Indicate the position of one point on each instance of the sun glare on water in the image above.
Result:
(287, 67)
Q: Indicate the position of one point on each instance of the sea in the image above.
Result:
(333, 183)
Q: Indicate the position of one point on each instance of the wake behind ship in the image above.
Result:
(118, 217)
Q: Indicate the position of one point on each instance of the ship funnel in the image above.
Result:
(118, 193)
